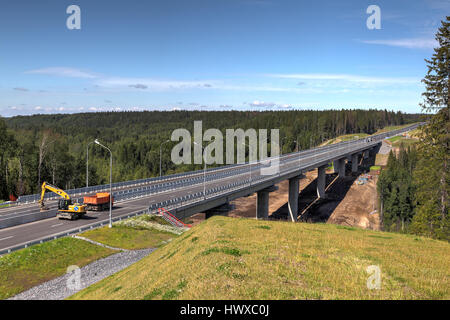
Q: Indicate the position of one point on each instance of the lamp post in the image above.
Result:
(110, 182)
(281, 151)
(295, 140)
(87, 164)
(204, 171)
(160, 157)
(249, 161)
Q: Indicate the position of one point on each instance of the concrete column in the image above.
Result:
(321, 182)
(355, 163)
(366, 154)
(262, 205)
(293, 198)
(336, 166)
(262, 202)
(341, 167)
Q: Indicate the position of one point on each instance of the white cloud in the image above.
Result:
(258, 103)
(344, 77)
(144, 83)
(63, 72)
(411, 43)
(21, 89)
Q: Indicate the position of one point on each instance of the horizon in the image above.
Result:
(243, 55)
(230, 110)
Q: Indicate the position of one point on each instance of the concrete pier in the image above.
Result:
(339, 167)
(262, 202)
(321, 181)
(294, 184)
(355, 162)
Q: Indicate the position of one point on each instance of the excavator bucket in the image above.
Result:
(42, 206)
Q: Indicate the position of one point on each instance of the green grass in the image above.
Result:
(405, 142)
(375, 168)
(396, 138)
(26, 268)
(354, 136)
(391, 128)
(3, 205)
(240, 259)
(129, 238)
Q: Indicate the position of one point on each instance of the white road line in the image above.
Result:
(6, 238)
(56, 225)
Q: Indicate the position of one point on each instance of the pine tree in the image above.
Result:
(432, 176)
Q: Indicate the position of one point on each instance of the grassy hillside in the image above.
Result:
(229, 258)
(26, 268)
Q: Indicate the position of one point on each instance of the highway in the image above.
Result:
(184, 190)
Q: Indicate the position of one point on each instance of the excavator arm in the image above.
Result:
(58, 191)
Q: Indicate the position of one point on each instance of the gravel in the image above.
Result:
(58, 289)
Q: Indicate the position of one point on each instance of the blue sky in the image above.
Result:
(214, 55)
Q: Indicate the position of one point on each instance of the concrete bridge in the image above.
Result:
(291, 167)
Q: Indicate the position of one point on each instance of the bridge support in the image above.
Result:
(339, 167)
(262, 202)
(321, 181)
(294, 184)
(366, 154)
(355, 163)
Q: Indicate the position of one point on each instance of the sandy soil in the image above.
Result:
(358, 207)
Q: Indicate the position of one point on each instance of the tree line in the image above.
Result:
(53, 147)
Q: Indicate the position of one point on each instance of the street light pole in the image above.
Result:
(281, 151)
(110, 182)
(160, 157)
(87, 164)
(204, 171)
(249, 161)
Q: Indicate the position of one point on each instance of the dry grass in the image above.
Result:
(381, 159)
(231, 258)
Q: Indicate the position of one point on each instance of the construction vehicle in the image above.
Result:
(98, 202)
(66, 209)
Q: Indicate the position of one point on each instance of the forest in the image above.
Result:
(414, 189)
(53, 148)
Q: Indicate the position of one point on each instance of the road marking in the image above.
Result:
(56, 225)
(6, 238)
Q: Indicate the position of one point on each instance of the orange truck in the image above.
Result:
(98, 202)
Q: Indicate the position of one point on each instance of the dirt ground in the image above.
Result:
(347, 203)
(358, 207)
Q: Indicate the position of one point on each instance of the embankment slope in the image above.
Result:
(231, 258)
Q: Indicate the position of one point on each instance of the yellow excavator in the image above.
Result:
(66, 209)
